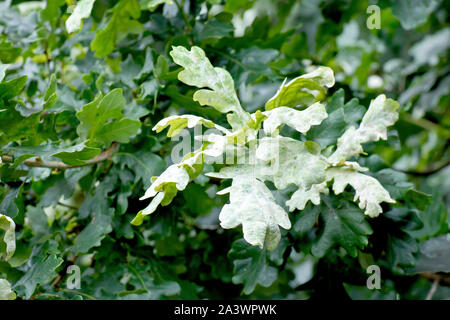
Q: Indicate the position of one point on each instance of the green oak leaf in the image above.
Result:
(103, 120)
(343, 225)
(123, 22)
(413, 13)
(92, 235)
(434, 255)
(251, 266)
(42, 267)
(77, 154)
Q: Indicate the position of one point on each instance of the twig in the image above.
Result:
(105, 155)
(67, 205)
(429, 171)
(432, 289)
(443, 279)
(425, 124)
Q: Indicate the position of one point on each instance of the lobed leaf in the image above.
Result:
(382, 113)
(299, 120)
(198, 71)
(253, 205)
(8, 246)
(303, 90)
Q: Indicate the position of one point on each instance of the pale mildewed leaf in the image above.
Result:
(299, 120)
(156, 201)
(322, 75)
(165, 187)
(303, 90)
(260, 171)
(82, 11)
(5, 290)
(178, 123)
(293, 161)
(253, 205)
(367, 189)
(9, 237)
(382, 113)
(199, 72)
(174, 178)
(153, 4)
(301, 197)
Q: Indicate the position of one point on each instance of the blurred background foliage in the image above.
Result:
(82, 215)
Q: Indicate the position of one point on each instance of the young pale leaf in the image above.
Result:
(367, 189)
(303, 90)
(5, 291)
(251, 266)
(199, 72)
(301, 197)
(292, 161)
(382, 113)
(164, 188)
(152, 5)
(9, 237)
(299, 120)
(253, 205)
(173, 178)
(156, 201)
(178, 123)
(82, 11)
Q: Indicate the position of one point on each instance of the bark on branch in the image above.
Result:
(37, 162)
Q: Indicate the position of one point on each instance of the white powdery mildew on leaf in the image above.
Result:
(82, 11)
(292, 161)
(300, 198)
(9, 238)
(299, 120)
(368, 190)
(382, 113)
(253, 205)
(174, 176)
(5, 291)
(282, 160)
(178, 123)
(303, 90)
(201, 73)
(324, 76)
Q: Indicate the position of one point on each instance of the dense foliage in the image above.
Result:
(359, 175)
